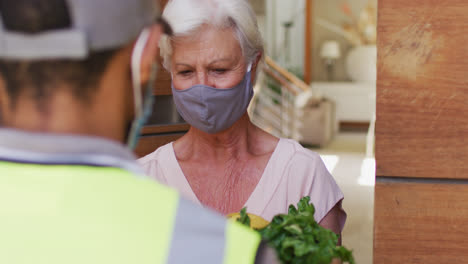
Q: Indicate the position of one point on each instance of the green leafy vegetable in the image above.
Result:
(298, 238)
(244, 218)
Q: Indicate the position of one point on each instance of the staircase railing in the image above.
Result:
(278, 101)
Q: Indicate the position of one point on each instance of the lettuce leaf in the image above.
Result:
(298, 238)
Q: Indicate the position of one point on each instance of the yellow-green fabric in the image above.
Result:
(79, 214)
(241, 244)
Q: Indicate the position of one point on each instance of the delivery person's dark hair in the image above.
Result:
(40, 78)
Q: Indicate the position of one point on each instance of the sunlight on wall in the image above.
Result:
(367, 177)
(330, 162)
(364, 176)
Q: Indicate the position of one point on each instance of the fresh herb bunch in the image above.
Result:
(298, 238)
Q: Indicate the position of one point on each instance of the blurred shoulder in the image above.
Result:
(154, 163)
(157, 155)
(297, 154)
(304, 168)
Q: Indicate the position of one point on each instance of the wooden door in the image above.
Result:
(421, 196)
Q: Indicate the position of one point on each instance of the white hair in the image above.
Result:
(187, 16)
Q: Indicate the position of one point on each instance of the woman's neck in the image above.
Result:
(235, 142)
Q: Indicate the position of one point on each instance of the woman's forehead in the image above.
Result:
(208, 43)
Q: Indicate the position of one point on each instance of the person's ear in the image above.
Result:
(150, 52)
(257, 60)
(4, 102)
(255, 65)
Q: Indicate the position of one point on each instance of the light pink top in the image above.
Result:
(291, 173)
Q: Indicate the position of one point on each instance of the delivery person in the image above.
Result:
(73, 80)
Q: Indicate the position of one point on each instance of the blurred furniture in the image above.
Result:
(315, 124)
(355, 101)
(421, 193)
(285, 106)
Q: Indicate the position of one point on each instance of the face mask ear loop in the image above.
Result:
(148, 102)
(136, 70)
(136, 81)
(249, 68)
(149, 98)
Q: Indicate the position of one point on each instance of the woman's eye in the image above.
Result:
(220, 70)
(184, 73)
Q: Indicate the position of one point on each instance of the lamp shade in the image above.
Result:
(330, 50)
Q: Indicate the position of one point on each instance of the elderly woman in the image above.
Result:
(224, 161)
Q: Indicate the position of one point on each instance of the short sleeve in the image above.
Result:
(308, 176)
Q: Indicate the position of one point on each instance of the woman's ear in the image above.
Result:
(255, 65)
(256, 61)
(258, 58)
(150, 52)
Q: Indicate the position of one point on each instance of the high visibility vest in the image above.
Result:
(82, 214)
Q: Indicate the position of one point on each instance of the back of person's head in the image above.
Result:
(47, 43)
(188, 16)
(38, 77)
(49, 48)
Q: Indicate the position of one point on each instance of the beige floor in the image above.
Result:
(354, 172)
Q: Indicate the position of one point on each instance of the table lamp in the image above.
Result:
(330, 53)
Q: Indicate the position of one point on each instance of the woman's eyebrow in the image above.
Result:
(183, 64)
(220, 60)
(209, 64)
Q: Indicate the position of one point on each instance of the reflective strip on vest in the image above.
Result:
(207, 229)
(79, 214)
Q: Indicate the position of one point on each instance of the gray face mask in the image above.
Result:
(214, 110)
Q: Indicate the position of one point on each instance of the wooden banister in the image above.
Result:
(277, 77)
(287, 75)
